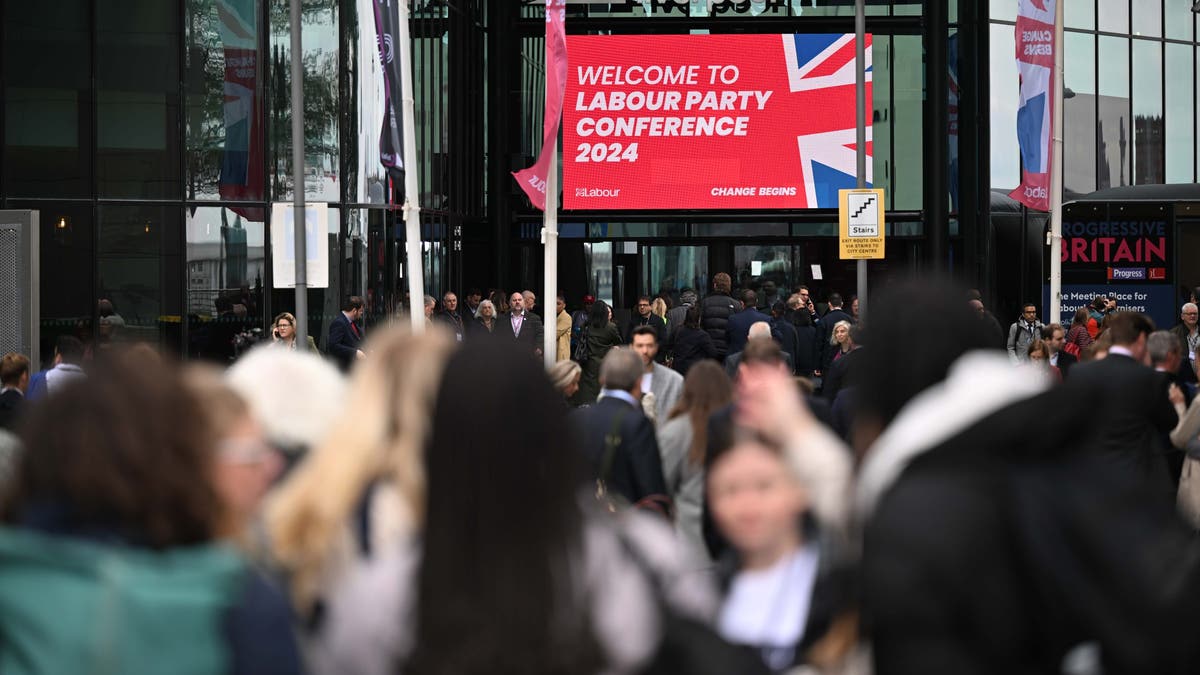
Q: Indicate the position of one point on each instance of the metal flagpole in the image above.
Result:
(298, 221)
(1054, 239)
(860, 103)
(412, 207)
(550, 239)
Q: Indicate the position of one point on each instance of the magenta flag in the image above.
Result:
(1035, 63)
(533, 179)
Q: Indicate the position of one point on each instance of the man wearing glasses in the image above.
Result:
(1025, 330)
(645, 317)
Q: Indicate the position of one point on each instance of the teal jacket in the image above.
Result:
(69, 605)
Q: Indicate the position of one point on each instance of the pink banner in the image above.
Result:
(1035, 134)
(533, 179)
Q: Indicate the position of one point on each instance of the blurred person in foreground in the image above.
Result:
(362, 489)
(1038, 359)
(995, 538)
(565, 377)
(617, 439)
(68, 357)
(517, 571)
(1186, 437)
(759, 331)
(295, 397)
(110, 541)
(682, 440)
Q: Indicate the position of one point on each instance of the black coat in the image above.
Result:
(1011, 543)
(11, 403)
(785, 334)
(1134, 415)
(635, 471)
(828, 322)
(737, 330)
(715, 311)
(692, 345)
(840, 374)
(1066, 362)
(530, 337)
(343, 344)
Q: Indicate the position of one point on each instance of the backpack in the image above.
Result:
(582, 352)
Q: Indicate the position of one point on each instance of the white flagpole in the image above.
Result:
(1056, 176)
(550, 239)
(412, 207)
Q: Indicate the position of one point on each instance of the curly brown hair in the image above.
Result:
(127, 451)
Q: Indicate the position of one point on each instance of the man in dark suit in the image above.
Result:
(618, 440)
(520, 326)
(14, 376)
(738, 328)
(345, 335)
(1055, 336)
(1136, 413)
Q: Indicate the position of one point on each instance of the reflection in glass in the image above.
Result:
(1114, 15)
(1113, 129)
(1006, 161)
(138, 275)
(45, 96)
(137, 99)
(319, 26)
(1080, 14)
(598, 258)
(1003, 10)
(908, 78)
(1079, 113)
(881, 116)
(671, 269)
(1147, 112)
(1180, 115)
(765, 269)
(226, 274)
(1147, 18)
(1179, 19)
(323, 303)
(224, 133)
(365, 114)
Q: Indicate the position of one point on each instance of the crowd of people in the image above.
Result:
(721, 483)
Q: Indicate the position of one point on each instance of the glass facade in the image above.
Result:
(1130, 109)
(153, 136)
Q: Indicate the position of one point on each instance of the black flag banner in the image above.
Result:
(391, 144)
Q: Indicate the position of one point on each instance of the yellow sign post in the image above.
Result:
(860, 224)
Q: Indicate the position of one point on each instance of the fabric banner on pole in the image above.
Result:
(1035, 63)
(533, 179)
(391, 139)
(242, 156)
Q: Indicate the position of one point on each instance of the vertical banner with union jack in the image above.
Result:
(242, 158)
(1035, 63)
(391, 142)
(533, 179)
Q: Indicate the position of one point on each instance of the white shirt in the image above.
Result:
(647, 381)
(769, 608)
(1117, 349)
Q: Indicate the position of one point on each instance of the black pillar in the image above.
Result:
(974, 144)
(935, 32)
(503, 52)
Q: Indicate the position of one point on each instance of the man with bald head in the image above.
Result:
(520, 326)
(1189, 337)
(759, 330)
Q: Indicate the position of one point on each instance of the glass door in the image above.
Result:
(668, 270)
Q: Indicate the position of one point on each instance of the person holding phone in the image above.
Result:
(283, 333)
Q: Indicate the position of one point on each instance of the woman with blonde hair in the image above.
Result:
(283, 333)
(565, 376)
(659, 308)
(362, 489)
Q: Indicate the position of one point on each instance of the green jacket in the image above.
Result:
(73, 606)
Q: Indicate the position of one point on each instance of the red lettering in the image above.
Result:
(1123, 252)
(1078, 250)
(1159, 250)
(1108, 242)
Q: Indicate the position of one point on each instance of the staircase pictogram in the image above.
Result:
(865, 205)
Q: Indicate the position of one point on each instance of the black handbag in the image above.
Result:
(582, 351)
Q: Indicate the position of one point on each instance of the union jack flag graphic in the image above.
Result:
(821, 72)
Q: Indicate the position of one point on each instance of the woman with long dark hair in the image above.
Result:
(516, 573)
(110, 543)
(601, 335)
(682, 440)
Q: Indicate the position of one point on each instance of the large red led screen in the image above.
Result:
(710, 121)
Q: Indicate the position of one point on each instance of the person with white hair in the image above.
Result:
(485, 318)
(295, 396)
(1188, 333)
(759, 330)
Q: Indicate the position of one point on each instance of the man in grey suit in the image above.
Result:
(661, 386)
